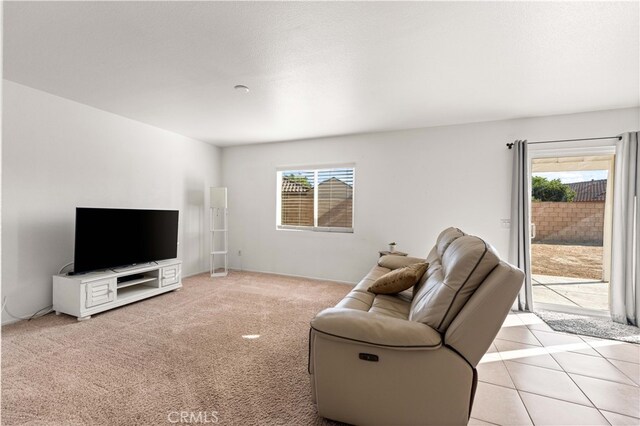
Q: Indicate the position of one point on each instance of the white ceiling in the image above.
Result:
(320, 69)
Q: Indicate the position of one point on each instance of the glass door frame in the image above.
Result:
(553, 152)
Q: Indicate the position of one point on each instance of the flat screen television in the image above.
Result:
(109, 238)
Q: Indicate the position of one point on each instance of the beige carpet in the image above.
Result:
(182, 351)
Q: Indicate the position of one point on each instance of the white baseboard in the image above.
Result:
(206, 271)
(13, 320)
(350, 283)
(10, 321)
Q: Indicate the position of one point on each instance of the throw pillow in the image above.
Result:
(399, 279)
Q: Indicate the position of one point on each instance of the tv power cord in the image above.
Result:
(64, 267)
(39, 313)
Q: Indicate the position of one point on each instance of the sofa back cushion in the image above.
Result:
(443, 241)
(464, 261)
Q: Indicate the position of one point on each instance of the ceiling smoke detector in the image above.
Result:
(242, 88)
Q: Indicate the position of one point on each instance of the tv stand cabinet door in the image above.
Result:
(100, 292)
(170, 275)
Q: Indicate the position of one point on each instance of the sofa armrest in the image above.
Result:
(374, 329)
(394, 262)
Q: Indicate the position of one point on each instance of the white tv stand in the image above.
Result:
(86, 294)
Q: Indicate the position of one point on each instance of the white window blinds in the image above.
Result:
(316, 199)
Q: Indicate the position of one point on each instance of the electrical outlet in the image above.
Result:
(239, 252)
(506, 223)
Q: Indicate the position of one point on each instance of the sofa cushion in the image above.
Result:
(357, 300)
(360, 299)
(399, 279)
(373, 329)
(390, 306)
(464, 263)
(443, 241)
(395, 262)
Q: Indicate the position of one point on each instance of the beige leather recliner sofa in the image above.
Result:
(411, 358)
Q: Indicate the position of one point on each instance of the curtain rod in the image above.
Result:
(510, 145)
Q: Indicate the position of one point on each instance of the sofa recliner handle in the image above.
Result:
(368, 357)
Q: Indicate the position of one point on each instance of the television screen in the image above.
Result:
(107, 238)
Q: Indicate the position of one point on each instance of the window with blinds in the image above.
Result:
(316, 199)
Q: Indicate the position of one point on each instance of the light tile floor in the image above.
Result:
(533, 375)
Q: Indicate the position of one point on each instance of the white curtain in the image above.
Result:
(520, 242)
(625, 253)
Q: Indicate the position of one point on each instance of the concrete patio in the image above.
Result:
(568, 291)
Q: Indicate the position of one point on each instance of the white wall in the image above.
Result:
(409, 186)
(1, 74)
(59, 154)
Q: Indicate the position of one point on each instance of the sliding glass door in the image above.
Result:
(571, 213)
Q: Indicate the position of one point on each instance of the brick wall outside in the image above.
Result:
(568, 223)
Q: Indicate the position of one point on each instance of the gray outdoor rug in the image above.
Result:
(590, 326)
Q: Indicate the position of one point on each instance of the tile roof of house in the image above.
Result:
(291, 186)
(592, 190)
(335, 179)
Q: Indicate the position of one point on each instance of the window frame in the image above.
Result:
(315, 228)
